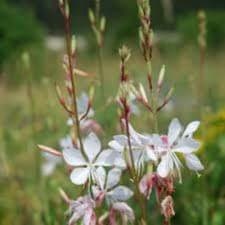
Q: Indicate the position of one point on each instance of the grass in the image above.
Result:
(28, 200)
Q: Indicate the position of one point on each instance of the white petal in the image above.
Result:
(115, 145)
(187, 146)
(165, 166)
(73, 157)
(79, 176)
(66, 142)
(134, 135)
(191, 128)
(113, 178)
(121, 139)
(92, 146)
(89, 217)
(174, 131)
(193, 163)
(74, 218)
(119, 161)
(106, 158)
(120, 193)
(47, 168)
(150, 153)
(124, 210)
(100, 177)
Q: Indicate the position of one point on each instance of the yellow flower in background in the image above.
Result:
(215, 125)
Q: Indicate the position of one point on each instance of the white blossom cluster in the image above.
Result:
(101, 168)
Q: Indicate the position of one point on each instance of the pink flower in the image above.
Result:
(146, 184)
(167, 207)
(82, 208)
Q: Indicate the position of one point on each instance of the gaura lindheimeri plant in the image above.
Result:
(152, 162)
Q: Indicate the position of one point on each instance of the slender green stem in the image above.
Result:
(76, 124)
(153, 98)
(101, 72)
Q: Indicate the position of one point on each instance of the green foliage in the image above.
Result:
(18, 29)
(188, 26)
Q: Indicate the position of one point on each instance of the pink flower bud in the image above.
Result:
(167, 207)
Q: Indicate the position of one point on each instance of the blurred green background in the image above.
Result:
(30, 113)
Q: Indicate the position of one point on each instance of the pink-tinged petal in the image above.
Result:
(167, 208)
(187, 146)
(89, 125)
(92, 146)
(146, 184)
(89, 217)
(80, 176)
(116, 146)
(124, 210)
(98, 195)
(73, 157)
(191, 128)
(174, 131)
(165, 166)
(120, 193)
(100, 177)
(113, 178)
(193, 163)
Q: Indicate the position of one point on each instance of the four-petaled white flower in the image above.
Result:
(176, 142)
(107, 186)
(85, 166)
(82, 208)
(141, 146)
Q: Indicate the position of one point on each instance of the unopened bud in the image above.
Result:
(61, 2)
(67, 9)
(142, 93)
(140, 11)
(161, 77)
(102, 24)
(170, 93)
(73, 44)
(201, 15)
(91, 16)
(124, 53)
(91, 92)
(167, 208)
(141, 36)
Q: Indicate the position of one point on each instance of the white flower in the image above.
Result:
(141, 146)
(86, 124)
(49, 164)
(107, 186)
(83, 208)
(176, 142)
(85, 167)
(82, 108)
(133, 105)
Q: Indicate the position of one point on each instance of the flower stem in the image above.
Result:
(101, 72)
(71, 59)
